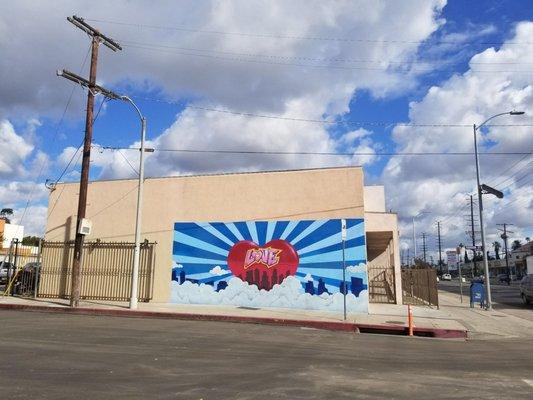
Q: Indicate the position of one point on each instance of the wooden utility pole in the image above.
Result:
(439, 242)
(96, 38)
(504, 236)
(424, 247)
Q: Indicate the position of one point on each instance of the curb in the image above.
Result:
(325, 325)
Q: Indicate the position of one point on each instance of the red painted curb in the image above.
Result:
(326, 325)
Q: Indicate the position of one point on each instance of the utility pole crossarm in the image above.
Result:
(84, 26)
(71, 76)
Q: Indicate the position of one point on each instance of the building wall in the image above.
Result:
(305, 194)
(11, 232)
(374, 198)
(387, 224)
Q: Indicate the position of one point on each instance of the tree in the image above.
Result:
(5, 213)
(528, 239)
(497, 246)
(516, 244)
(31, 240)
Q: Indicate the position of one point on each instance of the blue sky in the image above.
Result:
(385, 62)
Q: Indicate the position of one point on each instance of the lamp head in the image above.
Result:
(517, 112)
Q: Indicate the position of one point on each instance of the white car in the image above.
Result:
(446, 277)
(526, 289)
(4, 266)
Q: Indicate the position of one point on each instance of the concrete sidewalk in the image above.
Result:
(482, 324)
(382, 318)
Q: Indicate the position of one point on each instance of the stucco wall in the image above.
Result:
(379, 222)
(305, 194)
(374, 198)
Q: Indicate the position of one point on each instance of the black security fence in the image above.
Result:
(420, 286)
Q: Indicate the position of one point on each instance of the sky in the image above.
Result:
(364, 80)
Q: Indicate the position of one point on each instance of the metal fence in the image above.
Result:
(105, 273)
(381, 284)
(420, 287)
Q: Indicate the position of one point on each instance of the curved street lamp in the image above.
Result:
(136, 255)
(480, 204)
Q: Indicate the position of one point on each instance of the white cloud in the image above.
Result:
(217, 270)
(356, 269)
(14, 149)
(33, 219)
(289, 294)
(14, 192)
(441, 184)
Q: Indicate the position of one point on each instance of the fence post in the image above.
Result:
(37, 270)
(12, 290)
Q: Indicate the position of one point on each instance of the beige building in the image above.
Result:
(281, 195)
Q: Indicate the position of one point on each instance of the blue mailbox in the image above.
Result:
(477, 294)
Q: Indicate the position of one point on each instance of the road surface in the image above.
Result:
(56, 356)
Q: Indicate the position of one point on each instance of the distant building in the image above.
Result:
(10, 232)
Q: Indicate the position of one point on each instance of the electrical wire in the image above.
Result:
(314, 153)
(326, 122)
(54, 136)
(320, 66)
(302, 58)
(503, 174)
(128, 162)
(292, 36)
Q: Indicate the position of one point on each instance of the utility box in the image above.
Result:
(85, 227)
(477, 294)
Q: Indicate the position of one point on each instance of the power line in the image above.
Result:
(315, 153)
(128, 162)
(56, 132)
(303, 58)
(292, 36)
(327, 122)
(247, 60)
(509, 169)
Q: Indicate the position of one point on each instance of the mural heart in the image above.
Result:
(263, 266)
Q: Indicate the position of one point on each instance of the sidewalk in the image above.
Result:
(382, 318)
(481, 324)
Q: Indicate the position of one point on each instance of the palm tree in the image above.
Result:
(497, 246)
(516, 244)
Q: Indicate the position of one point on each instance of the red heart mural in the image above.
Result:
(263, 266)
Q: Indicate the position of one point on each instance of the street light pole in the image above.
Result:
(138, 217)
(480, 204)
(94, 88)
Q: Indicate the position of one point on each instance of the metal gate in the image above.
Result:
(105, 273)
(420, 287)
(381, 284)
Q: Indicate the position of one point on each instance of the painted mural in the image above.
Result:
(290, 264)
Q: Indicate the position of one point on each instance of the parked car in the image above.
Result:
(446, 277)
(25, 282)
(4, 268)
(526, 289)
(504, 278)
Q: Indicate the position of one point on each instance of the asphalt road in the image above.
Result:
(55, 356)
(504, 298)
